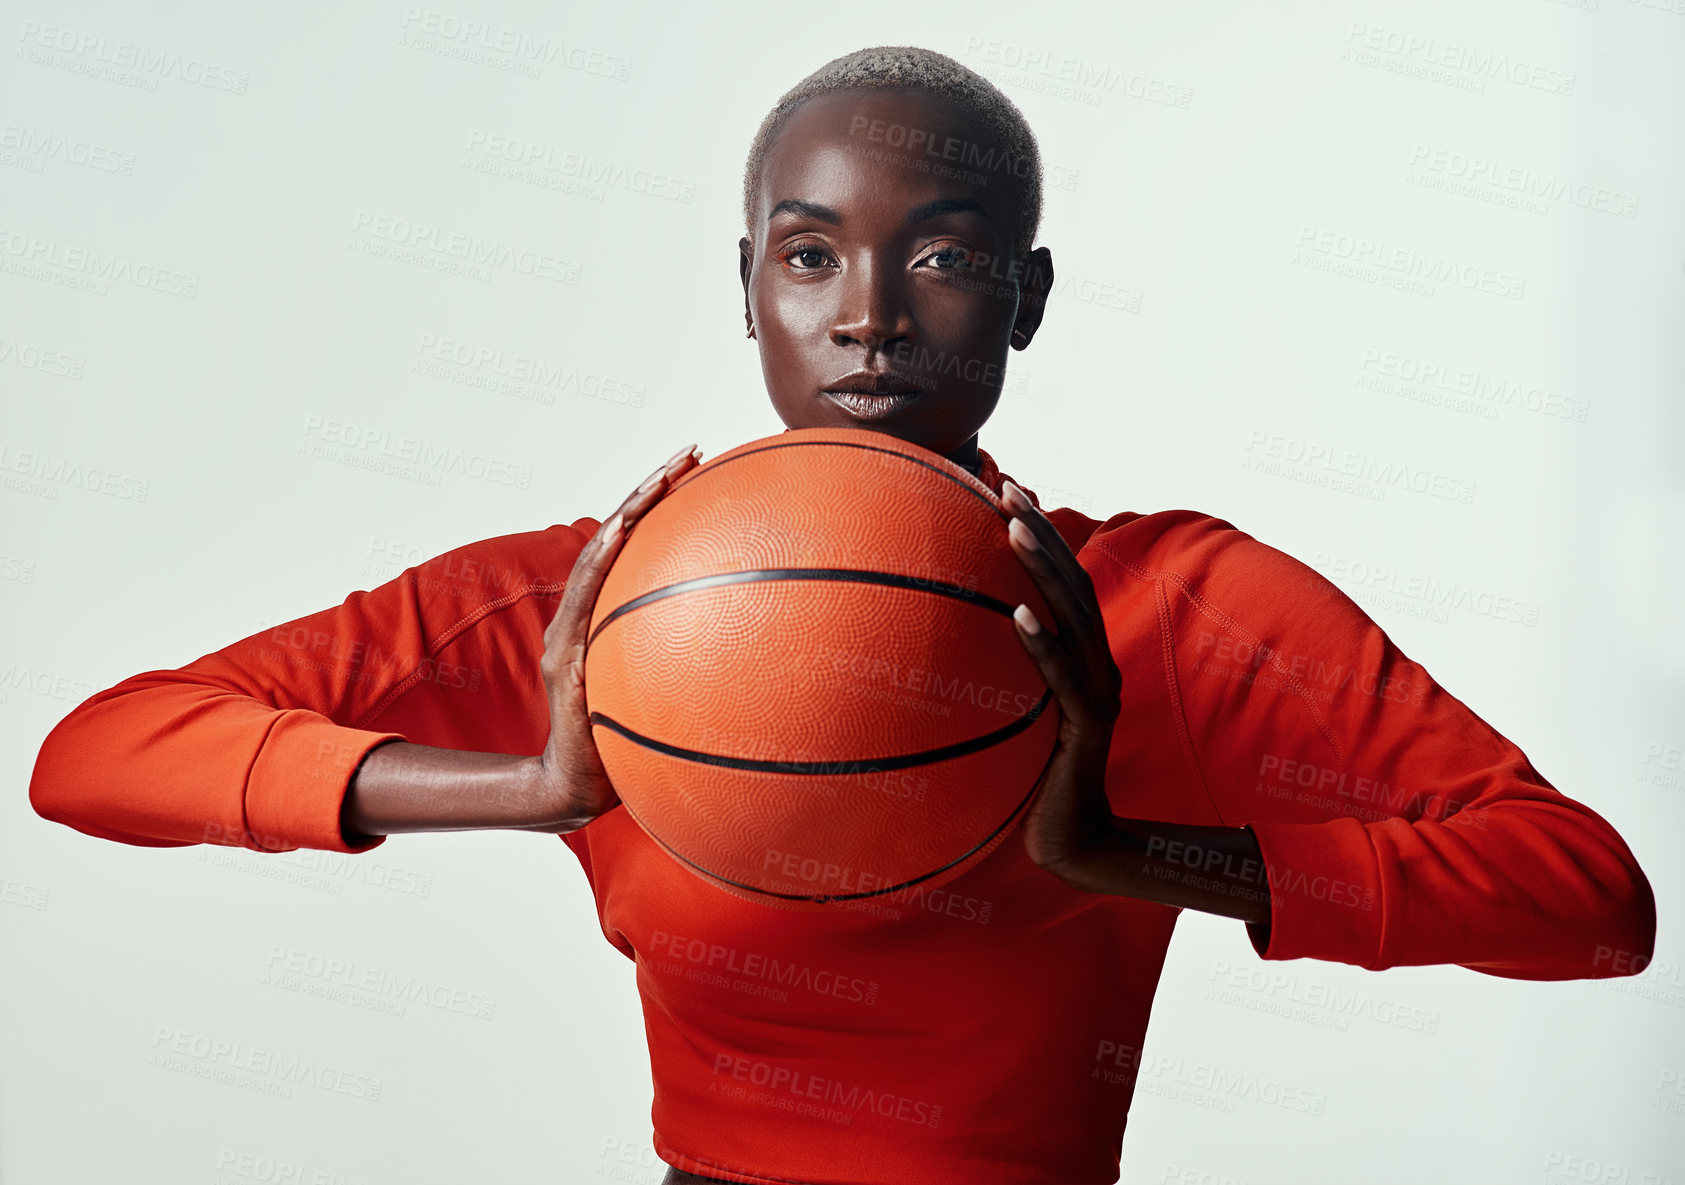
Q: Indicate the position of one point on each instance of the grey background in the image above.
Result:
(1208, 156)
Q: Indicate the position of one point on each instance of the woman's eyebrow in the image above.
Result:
(922, 213)
(805, 209)
(945, 206)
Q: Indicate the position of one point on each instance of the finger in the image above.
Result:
(1037, 541)
(1044, 533)
(1081, 626)
(1059, 670)
(654, 487)
(573, 615)
(592, 565)
(1073, 615)
(580, 594)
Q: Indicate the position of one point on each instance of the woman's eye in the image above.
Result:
(949, 258)
(803, 259)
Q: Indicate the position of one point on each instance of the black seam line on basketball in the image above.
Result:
(827, 898)
(905, 761)
(842, 575)
(871, 448)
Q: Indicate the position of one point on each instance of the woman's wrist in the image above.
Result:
(401, 787)
(1216, 870)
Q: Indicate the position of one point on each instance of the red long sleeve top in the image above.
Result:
(986, 1030)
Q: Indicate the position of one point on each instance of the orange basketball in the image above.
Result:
(803, 675)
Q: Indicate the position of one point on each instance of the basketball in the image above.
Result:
(803, 676)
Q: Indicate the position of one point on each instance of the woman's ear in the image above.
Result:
(745, 267)
(1033, 290)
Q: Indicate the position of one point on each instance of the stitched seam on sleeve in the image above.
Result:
(1291, 681)
(449, 635)
(252, 841)
(1383, 901)
(1167, 644)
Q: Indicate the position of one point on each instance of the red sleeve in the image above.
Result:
(1397, 826)
(254, 745)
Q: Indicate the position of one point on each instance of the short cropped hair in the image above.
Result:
(908, 67)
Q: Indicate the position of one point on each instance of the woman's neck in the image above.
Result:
(965, 456)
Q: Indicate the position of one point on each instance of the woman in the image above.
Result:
(1236, 735)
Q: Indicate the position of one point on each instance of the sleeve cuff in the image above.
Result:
(296, 787)
(1325, 899)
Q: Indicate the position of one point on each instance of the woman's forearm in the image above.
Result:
(1216, 870)
(400, 787)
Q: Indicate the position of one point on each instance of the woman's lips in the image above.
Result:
(864, 406)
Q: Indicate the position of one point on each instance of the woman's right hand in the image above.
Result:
(573, 787)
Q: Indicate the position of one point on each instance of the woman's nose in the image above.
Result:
(872, 309)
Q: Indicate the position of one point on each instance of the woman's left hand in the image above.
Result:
(1069, 826)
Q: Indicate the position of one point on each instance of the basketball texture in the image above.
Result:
(803, 676)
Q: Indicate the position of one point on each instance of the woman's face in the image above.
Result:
(881, 259)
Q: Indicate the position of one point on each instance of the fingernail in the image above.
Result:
(1010, 492)
(649, 482)
(680, 455)
(1027, 619)
(1020, 530)
(615, 523)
